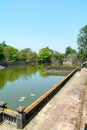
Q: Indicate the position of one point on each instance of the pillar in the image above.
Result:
(2, 106)
(21, 117)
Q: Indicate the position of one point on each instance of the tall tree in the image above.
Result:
(2, 46)
(23, 54)
(1, 53)
(82, 43)
(57, 58)
(27, 55)
(69, 50)
(44, 55)
(10, 53)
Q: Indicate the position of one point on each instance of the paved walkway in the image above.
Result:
(64, 111)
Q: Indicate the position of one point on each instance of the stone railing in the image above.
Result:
(16, 118)
(22, 116)
(7, 114)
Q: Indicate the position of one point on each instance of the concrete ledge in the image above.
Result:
(13, 63)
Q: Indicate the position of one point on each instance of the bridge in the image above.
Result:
(64, 107)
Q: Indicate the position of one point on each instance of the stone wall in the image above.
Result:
(11, 63)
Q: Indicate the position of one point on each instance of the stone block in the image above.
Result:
(1, 118)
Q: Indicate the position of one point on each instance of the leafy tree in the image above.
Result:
(69, 50)
(10, 53)
(82, 43)
(61, 57)
(44, 55)
(27, 55)
(1, 53)
(2, 46)
(23, 54)
(57, 58)
(32, 58)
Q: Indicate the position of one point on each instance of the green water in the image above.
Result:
(22, 85)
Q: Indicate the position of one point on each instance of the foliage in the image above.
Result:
(1, 53)
(2, 46)
(10, 53)
(44, 55)
(57, 58)
(27, 55)
(69, 50)
(23, 54)
(7, 52)
(82, 43)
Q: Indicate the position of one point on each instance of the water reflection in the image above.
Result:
(22, 85)
(13, 73)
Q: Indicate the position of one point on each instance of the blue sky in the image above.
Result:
(37, 24)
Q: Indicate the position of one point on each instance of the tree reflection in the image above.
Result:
(13, 73)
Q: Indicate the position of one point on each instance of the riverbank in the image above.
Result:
(48, 70)
(13, 63)
(53, 69)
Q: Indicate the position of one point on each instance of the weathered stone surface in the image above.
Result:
(20, 109)
(70, 60)
(64, 111)
(2, 104)
(21, 117)
(1, 117)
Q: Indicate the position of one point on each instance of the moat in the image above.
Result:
(22, 85)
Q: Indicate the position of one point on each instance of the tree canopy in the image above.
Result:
(27, 54)
(10, 53)
(44, 55)
(69, 50)
(82, 43)
(2, 46)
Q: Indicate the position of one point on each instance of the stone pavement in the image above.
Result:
(65, 111)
